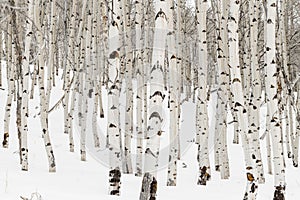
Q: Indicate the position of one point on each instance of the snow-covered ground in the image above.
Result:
(77, 180)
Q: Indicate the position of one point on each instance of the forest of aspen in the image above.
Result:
(168, 99)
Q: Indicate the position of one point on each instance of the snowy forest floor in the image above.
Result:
(79, 180)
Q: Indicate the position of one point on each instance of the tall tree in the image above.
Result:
(271, 91)
(113, 129)
(238, 100)
(149, 185)
(202, 115)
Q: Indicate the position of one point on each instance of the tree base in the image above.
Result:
(149, 187)
(114, 181)
(204, 176)
(279, 193)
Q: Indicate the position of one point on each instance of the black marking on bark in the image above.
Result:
(157, 115)
(237, 104)
(114, 55)
(269, 21)
(90, 93)
(148, 150)
(5, 140)
(113, 107)
(158, 93)
(253, 188)
(236, 80)
(160, 14)
(112, 125)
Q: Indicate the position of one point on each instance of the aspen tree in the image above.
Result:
(297, 133)
(221, 160)
(17, 61)
(149, 185)
(173, 101)
(113, 98)
(86, 77)
(202, 116)
(44, 106)
(103, 51)
(96, 71)
(10, 78)
(238, 100)
(25, 88)
(254, 103)
(286, 95)
(67, 71)
(139, 37)
(129, 90)
(271, 91)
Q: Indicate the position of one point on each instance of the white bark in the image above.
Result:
(140, 85)
(221, 157)
(25, 88)
(10, 78)
(96, 72)
(70, 61)
(173, 102)
(129, 91)
(297, 133)
(113, 99)
(202, 116)
(238, 100)
(44, 106)
(255, 98)
(271, 91)
(156, 99)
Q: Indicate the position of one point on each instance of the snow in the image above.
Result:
(79, 180)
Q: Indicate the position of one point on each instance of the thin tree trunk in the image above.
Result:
(44, 106)
(129, 90)
(238, 100)
(271, 91)
(10, 78)
(202, 116)
(156, 99)
(25, 88)
(173, 102)
(255, 98)
(113, 99)
(139, 27)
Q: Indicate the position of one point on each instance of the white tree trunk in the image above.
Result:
(129, 90)
(271, 91)
(238, 100)
(202, 116)
(44, 106)
(25, 88)
(139, 27)
(10, 78)
(255, 98)
(113, 128)
(173, 103)
(221, 157)
(155, 101)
